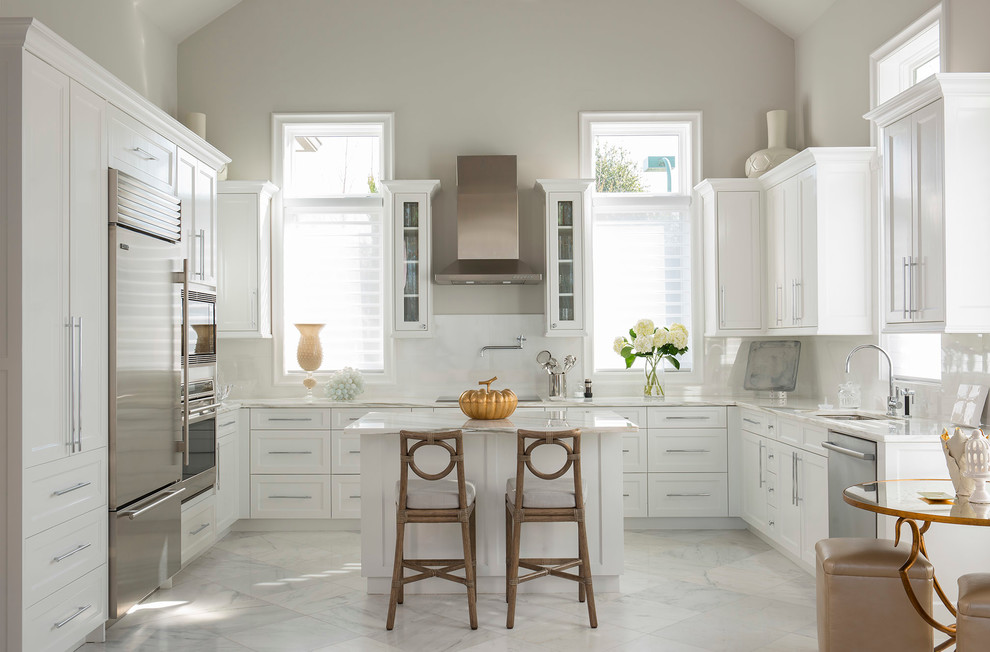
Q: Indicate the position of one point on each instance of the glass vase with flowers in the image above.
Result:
(655, 345)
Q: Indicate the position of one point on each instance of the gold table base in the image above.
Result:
(918, 545)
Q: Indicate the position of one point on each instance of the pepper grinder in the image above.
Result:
(587, 388)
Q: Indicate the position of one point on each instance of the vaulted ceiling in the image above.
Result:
(182, 18)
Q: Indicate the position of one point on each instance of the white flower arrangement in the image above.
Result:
(345, 385)
(655, 345)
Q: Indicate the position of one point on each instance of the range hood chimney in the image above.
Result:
(487, 225)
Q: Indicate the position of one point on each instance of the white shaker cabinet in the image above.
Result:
(935, 139)
(196, 186)
(567, 227)
(228, 484)
(733, 241)
(244, 242)
(411, 205)
(819, 210)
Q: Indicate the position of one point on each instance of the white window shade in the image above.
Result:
(333, 274)
(642, 270)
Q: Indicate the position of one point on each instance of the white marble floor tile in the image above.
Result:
(683, 591)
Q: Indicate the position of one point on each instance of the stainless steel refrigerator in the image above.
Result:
(146, 282)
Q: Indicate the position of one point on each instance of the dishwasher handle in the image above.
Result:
(848, 451)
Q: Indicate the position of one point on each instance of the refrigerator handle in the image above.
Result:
(185, 361)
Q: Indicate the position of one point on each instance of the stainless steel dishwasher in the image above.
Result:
(851, 460)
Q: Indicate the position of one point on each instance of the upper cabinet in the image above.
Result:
(411, 209)
(733, 242)
(196, 186)
(244, 242)
(936, 159)
(819, 216)
(567, 225)
(140, 151)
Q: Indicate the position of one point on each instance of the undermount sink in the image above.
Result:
(856, 417)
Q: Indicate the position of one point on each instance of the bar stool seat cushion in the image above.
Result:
(974, 595)
(545, 494)
(435, 494)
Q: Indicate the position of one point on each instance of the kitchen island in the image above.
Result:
(490, 460)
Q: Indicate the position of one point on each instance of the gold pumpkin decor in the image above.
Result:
(486, 403)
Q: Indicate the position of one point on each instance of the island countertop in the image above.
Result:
(598, 421)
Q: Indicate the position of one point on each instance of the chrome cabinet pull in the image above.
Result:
(700, 495)
(296, 497)
(216, 456)
(793, 301)
(752, 421)
(794, 460)
(688, 450)
(358, 496)
(290, 418)
(78, 548)
(359, 452)
(148, 156)
(202, 526)
(290, 452)
(134, 513)
(780, 304)
(761, 463)
(72, 384)
(722, 305)
(625, 495)
(677, 418)
(254, 308)
(78, 380)
(798, 302)
(79, 611)
(911, 294)
(229, 423)
(202, 253)
(62, 492)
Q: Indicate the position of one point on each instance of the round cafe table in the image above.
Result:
(914, 502)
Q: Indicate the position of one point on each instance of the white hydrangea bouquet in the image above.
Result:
(345, 385)
(653, 344)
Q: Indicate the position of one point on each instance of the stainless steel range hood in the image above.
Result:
(487, 225)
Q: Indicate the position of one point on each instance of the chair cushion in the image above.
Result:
(869, 558)
(545, 494)
(434, 494)
(974, 595)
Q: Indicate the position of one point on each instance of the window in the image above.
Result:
(642, 237)
(330, 250)
(903, 61)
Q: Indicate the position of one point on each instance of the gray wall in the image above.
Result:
(116, 35)
(470, 77)
(833, 68)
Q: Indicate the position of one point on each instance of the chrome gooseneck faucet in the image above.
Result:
(892, 403)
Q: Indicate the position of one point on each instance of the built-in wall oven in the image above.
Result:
(199, 463)
(851, 460)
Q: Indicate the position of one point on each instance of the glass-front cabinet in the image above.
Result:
(411, 203)
(566, 231)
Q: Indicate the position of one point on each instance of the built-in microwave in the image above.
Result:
(201, 325)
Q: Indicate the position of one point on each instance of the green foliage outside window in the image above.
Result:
(615, 171)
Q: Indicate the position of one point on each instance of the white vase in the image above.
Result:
(777, 150)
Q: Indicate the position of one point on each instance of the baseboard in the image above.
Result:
(296, 525)
(686, 523)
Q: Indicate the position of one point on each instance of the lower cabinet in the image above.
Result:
(228, 486)
(784, 486)
(65, 617)
(345, 495)
(676, 467)
(290, 496)
(199, 522)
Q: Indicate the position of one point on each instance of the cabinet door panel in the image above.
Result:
(928, 272)
(237, 294)
(899, 222)
(754, 502)
(776, 283)
(206, 223)
(45, 236)
(805, 308)
(793, 251)
(812, 497)
(739, 261)
(228, 485)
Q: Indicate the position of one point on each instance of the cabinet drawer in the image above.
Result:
(637, 415)
(699, 451)
(198, 528)
(345, 454)
(227, 423)
(686, 417)
(290, 418)
(813, 438)
(345, 493)
(64, 618)
(290, 451)
(634, 495)
(290, 496)
(755, 421)
(141, 152)
(60, 490)
(63, 554)
(343, 417)
(634, 451)
(688, 494)
(789, 431)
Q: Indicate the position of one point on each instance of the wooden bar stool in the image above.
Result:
(434, 500)
(547, 498)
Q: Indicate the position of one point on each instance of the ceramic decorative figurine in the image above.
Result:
(777, 150)
(955, 448)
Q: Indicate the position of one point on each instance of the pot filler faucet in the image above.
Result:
(892, 403)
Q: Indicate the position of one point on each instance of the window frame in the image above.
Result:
(342, 203)
(625, 379)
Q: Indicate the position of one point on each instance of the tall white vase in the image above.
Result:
(777, 150)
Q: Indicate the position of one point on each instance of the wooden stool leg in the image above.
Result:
(586, 572)
(467, 544)
(508, 548)
(398, 573)
(512, 573)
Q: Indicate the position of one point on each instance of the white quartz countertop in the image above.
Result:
(881, 430)
(598, 421)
